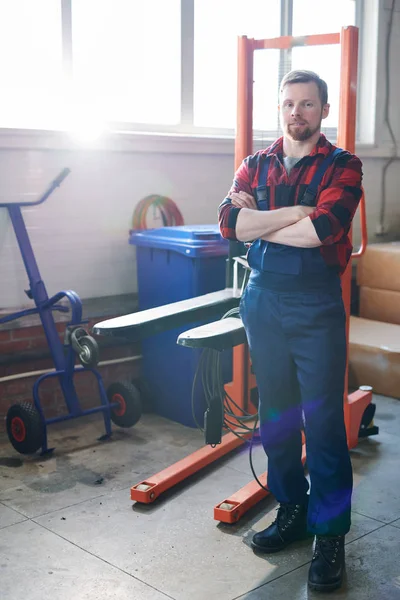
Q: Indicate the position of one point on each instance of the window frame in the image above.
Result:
(186, 128)
(259, 137)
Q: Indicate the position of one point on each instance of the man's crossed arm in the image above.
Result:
(290, 225)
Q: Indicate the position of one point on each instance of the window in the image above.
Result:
(217, 25)
(266, 75)
(156, 65)
(126, 59)
(326, 62)
(322, 16)
(30, 63)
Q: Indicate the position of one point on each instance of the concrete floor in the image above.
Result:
(68, 529)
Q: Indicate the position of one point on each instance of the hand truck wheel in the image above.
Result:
(24, 428)
(129, 409)
(88, 354)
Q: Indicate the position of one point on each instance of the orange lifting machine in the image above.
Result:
(229, 333)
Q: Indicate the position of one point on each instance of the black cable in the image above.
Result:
(214, 390)
(243, 431)
(205, 372)
(194, 391)
(231, 313)
(246, 415)
(251, 460)
(250, 442)
(242, 425)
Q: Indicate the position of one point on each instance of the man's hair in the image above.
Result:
(307, 77)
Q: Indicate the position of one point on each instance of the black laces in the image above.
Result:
(287, 514)
(328, 548)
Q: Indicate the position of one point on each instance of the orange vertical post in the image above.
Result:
(355, 403)
(239, 388)
(348, 88)
(347, 133)
(244, 126)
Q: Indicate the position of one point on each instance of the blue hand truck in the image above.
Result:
(26, 423)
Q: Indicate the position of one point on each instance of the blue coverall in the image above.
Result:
(294, 317)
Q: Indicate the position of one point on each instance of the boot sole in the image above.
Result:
(269, 550)
(274, 549)
(325, 587)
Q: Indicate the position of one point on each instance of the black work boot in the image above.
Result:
(327, 567)
(289, 526)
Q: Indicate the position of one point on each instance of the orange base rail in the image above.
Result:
(147, 491)
(233, 508)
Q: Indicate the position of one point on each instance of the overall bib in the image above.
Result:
(294, 317)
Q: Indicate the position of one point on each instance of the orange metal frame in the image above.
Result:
(232, 509)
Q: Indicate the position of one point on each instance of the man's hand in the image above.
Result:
(243, 200)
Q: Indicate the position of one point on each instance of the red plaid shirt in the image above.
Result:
(338, 195)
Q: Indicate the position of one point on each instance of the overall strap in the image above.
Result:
(309, 198)
(261, 190)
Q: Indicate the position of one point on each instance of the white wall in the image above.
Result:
(374, 161)
(80, 234)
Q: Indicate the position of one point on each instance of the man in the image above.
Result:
(294, 317)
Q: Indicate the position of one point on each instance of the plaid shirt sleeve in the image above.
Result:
(338, 203)
(227, 213)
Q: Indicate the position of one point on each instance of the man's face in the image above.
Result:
(301, 111)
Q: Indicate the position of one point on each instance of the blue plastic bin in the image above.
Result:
(176, 263)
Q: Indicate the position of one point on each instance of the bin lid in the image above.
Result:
(190, 240)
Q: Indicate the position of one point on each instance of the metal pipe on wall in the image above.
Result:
(104, 363)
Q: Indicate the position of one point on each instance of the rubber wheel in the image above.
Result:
(129, 409)
(89, 353)
(368, 416)
(24, 428)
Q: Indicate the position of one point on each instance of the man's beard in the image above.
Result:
(303, 134)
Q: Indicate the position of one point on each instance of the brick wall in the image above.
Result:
(31, 338)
